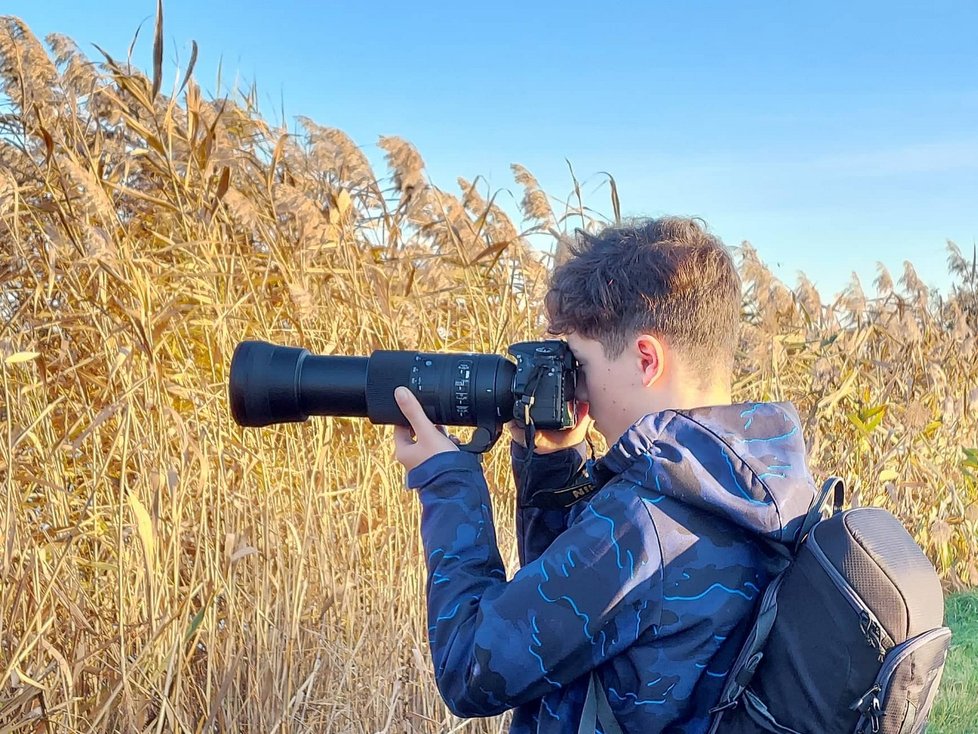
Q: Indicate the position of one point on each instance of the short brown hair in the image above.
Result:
(669, 277)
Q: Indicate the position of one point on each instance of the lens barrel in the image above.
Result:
(277, 384)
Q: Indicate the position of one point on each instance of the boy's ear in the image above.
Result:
(653, 355)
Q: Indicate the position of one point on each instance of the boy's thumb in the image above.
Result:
(410, 406)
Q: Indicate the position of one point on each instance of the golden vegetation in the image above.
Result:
(164, 570)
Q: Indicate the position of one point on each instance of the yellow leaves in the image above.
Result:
(931, 428)
(236, 548)
(340, 207)
(18, 678)
(142, 195)
(792, 341)
(941, 536)
(87, 190)
(848, 385)
(941, 532)
(343, 201)
(21, 357)
(144, 529)
(276, 159)
(223, 184)
(970, 576)
(103, 415)
(887, 475)
(494, 250)
(302, 299)
(868, 420)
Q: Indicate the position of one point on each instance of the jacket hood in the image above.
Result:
(745, 463)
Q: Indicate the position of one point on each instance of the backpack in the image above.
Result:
(848, 639)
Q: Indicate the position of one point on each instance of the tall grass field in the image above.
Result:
(163, 570)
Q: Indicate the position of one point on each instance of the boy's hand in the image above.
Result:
(415, 445)
(547, 442)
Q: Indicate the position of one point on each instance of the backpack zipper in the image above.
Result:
(868, 623)
(870, 710)
(908, 646)
(870, 703)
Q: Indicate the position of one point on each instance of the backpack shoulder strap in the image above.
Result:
(597, 710)
(751, 653)
(837, 487)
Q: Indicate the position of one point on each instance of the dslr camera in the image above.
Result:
(279, 384)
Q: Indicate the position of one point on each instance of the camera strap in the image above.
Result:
(526, 403)
(581, 485)
(560, 498)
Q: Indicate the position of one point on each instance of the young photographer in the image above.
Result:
(632, 601)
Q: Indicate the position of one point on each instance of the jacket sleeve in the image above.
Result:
(497, 644)
(537, 527)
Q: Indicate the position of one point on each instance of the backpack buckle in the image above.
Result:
(869, 706)
(725, 706)
(745, 674)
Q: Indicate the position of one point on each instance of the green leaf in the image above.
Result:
(971, 458)
(194, 624)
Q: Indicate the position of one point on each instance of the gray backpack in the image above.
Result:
(848, 639)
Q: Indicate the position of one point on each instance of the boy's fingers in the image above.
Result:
(455, 439)
(411, 408)
(403, 436)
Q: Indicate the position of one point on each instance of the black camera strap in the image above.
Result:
(526, 403)
(581, 485)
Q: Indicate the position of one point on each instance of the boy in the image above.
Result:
(648, 582)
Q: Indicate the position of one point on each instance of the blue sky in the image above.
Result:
(830, 135)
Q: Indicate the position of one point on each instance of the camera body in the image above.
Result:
(544, 384)
(278, 384)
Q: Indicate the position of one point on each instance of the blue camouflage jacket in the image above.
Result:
(650, 581)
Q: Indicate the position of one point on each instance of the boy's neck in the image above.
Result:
(675, 400)
(688, 394)
(700, 399)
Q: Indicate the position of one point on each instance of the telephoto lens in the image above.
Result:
(278, 384)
